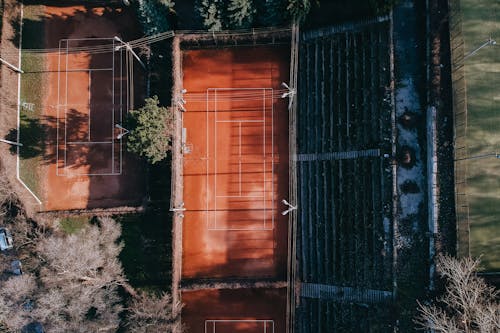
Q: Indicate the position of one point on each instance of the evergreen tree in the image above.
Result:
(298, 9)
(271, 13)
(240, 14)
(211, 13)
(153, 15)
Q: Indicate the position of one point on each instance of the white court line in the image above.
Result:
(206, 163)
(264, 149)
(113, 109)
(58, 106)
(215, 158)
(208, 99)
(272, 158)
(65, 118)
(76, 70)
(240, 196)
(18, 136)
(239, 155)
(240, 121)
(214, 322)
(88, 142)
(93, 38)
(121, 104)
(90, 92)
(94, 174)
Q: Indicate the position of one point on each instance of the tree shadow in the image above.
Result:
(46, 137)
(33, 143)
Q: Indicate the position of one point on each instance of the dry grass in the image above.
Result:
(9, 100)
(481, 20)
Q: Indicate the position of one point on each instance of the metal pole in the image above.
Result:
(131, 51)
(11, 142)
(14, 68)
(488, 42)
(496, 155)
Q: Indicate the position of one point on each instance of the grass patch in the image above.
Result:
(481, 19)
(72, 225)
(31, 131)
(146, 256)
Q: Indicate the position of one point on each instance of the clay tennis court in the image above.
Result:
(87, 96)
(232, 311)
(235, 172)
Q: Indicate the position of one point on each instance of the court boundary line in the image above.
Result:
(89, 142)
(208, 211)
(257, 321)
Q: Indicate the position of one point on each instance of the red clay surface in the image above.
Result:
(86, 166)
(237, 170)
(234, 311)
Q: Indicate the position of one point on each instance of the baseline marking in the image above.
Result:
(90, 106)
(266, 324)
(66, 103)
(58, 105)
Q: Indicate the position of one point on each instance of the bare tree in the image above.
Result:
(89, 258)
(80, 275)
(14, 303)
(151, 314)
(468, 304)
(76, 283)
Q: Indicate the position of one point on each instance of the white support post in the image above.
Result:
(14, 68)
(123, 133)
(127, 46)
(290, 94)
(490, 41)
(11, 142)
(290, 207)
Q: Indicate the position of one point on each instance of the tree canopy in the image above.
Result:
(151, 129)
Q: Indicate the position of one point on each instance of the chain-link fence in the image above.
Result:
(460, 126)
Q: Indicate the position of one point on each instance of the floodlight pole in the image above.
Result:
(490, 41)
(14, 68)
(290, 207)
(127, 46)
(476, 157)
(11, 142)
(290, 91)
(121, 135)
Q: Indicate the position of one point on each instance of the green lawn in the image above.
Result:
(73, 224)
(31, 131)
(481, 19)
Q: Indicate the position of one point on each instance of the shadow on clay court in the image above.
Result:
(39, 137)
